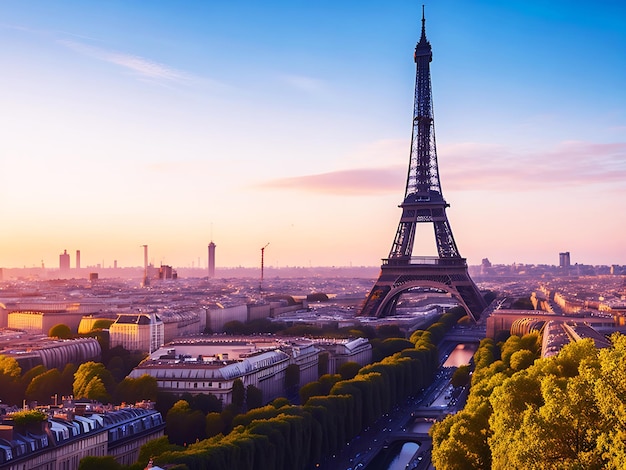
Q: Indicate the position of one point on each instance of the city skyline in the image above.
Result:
(242, 124)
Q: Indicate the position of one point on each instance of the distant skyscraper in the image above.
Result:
(77, 259)
(564, 261)
(146, 279)
(211, 260)
(64, 261)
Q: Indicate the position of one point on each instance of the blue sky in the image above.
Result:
(173, 123)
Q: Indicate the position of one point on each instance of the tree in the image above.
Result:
(389, 331)
(348, 370)
(292, 378)
(461, 376)
(99, 463)
(564, 411)
(460, 440)
(254, 397)
(9, 367)
(28, 377)
(609, 381)
(112, 357)
(239, 393)
(214, 424)
(183, 425)
(28, 417)
(67, 379)
(43, 387)
(205, 402)
(117, 368)
(521, 360)
(101, 324)
(61, 331)
(10, 384)
(154, 448)
(391, 346)
(280, 402)
(327, 381)
(322, 363)
(95, 390)
(131, 390)
(310, 390)
(234, 327)
(92, 372)
(228, 414)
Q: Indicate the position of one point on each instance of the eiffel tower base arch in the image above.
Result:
(440, 275)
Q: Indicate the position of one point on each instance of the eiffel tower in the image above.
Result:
(423, 204)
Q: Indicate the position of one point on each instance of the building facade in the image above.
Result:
(137, 332)
(32, 350)
(68, 435)
(211, 364)
(64, 261)
(196, 365)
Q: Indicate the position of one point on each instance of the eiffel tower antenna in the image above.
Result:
(423, 204)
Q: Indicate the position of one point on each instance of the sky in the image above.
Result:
(172, 124)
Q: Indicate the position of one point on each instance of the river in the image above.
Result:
(461, 356)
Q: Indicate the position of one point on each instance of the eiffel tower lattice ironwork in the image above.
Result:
(423, 204)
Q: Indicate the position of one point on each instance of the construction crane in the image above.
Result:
(262, 262)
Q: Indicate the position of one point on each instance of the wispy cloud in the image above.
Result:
(304, 83)
(472, 166)
(570, 163)
(141, 66)
(360, 181)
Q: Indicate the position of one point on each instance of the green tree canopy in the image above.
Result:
(93, 381)
(239, 393)
(234, 327)
(561, 412)
(521, 360)
(131, 390)
(309, 390)
(102, 324)
(214, 424)
(254, 397)
(389, 331)
(43, 387)
(348, 370)
(11, 387)
(61, 331)
(9, 367)
(461, 376)
(183, 425)
(292, 377)
(26, 417)
(99, 463)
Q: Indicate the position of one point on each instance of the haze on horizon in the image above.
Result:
(128, 123)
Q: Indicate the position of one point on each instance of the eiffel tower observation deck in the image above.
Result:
(423, 203)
